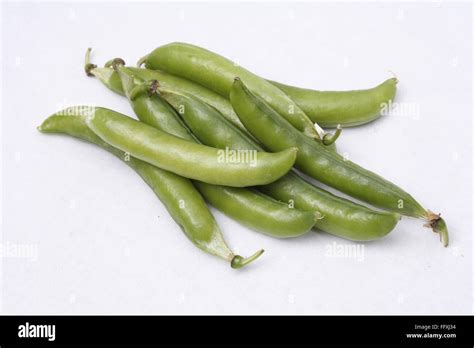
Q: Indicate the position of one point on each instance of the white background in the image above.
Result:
(105, 244)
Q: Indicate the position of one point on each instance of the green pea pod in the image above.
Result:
(327, 108)
(183, 202)
(110, 78)
(347, 108)
(338, 216)
(275, 133)
(218, 73)
(248, 207)
(185, 158)
(268, 216)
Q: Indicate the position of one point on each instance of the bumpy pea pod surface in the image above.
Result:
(218, 73)
(347, 108)
(249, 207)
(275, 133)
(338, 216)
(185, 158)
(194, 218)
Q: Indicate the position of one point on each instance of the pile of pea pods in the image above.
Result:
(210, 131)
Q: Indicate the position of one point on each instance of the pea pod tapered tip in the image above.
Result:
(239, 261)
(435, 222)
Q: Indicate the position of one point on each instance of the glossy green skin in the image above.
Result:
(275, 133)
(185, 158)
(111, 79)
(180, 197)
(268, 216)
(218, 73)
(167, 81)
(347, 108)
(248, 207)
(340, 217)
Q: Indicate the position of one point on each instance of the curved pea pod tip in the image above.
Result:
(239, 261)
(330, 138)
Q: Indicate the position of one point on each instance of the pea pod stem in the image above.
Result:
(112, 63)
(147, 87)
(88, 66)
(329, 139)
(438, 225)
(239, 261)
